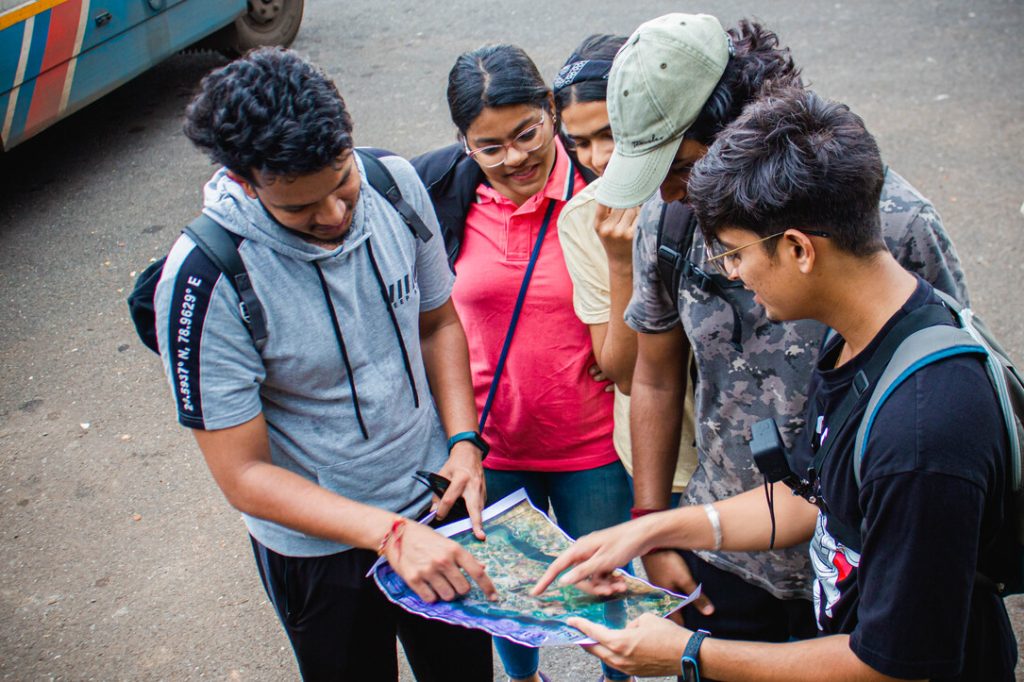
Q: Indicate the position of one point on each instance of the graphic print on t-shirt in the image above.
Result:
(401, 290)
(833, 563)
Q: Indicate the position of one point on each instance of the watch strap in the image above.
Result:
(474, 438)
(691, 656)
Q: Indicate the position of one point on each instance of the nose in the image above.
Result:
(332, 211)
(602, 152)
(673, 187)
(586, 158)
(514, 157)
(671, 190)
(732, 270)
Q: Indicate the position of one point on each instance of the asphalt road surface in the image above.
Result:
(120, 558)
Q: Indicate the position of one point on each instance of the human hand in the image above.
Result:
(648, 646)
(598, 375)
(432, 565)
(465, 470)
(615, 228)
(668, 570)
(595, 557)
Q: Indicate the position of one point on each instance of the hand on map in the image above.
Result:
(667, 569)
(466, 473)
(595, 557)
(648, 646)
(432, 565)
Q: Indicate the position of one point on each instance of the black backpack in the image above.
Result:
(923, 337)
(221, 247)
(677, 226)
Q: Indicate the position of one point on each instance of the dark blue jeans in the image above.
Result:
(583, 501)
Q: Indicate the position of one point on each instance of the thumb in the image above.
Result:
(704, 605)
(594, 631)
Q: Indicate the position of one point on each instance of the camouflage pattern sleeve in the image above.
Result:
(651, 310)
(914, 233)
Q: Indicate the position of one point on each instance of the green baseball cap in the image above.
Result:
(658, 84)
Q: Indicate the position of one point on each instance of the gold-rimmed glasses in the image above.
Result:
(725, 262)
(529, 140)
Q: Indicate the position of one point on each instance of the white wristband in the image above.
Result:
(716, 525)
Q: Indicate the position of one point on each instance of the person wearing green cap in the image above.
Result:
(910, 542)
(677, 83)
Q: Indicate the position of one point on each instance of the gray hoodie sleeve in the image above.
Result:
(433, 275)
(211, 363)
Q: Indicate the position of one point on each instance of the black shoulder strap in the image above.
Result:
(916, 320)
(676, 227)
(219, 246)
(380, 179)
(921, 318)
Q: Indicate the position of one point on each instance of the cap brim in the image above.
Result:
(631, 180)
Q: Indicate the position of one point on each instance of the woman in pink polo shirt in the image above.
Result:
(498, 195)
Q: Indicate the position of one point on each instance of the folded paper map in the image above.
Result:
(521, 542)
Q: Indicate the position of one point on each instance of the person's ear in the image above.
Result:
(247, 186)
(801, 250)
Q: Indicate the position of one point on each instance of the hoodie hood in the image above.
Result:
(225, 201)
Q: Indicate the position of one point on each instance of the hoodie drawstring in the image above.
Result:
(341, 339)
(341, 347)
(394, 323)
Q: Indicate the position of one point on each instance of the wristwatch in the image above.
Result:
(689, 660)
(473, 437)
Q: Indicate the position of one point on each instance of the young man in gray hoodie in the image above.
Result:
(362, 378)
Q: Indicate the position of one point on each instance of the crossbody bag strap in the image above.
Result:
(515, 313)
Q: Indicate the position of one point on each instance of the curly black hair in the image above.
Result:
(793, 159)
(758, 66)
(270, 112)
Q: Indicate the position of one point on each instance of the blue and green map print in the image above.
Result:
(521, 542)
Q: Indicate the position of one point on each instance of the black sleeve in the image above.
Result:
(931, 468)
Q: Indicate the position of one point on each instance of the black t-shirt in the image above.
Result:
(930, 500)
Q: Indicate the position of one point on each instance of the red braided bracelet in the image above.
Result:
(636, 513)
(395, 533)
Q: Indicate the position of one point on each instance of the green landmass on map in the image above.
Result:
(521, 543)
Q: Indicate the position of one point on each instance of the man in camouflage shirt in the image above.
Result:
(748, 368)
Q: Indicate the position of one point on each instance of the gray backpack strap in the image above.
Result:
(380, 178)
(1005, 377)
(917, 350)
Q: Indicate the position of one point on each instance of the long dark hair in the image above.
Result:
(758, 67)
(493, 76)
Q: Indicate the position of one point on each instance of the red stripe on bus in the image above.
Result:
(60, 42)
(60, 46)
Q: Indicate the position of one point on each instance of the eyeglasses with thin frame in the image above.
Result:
(529, 140)
(725, 262)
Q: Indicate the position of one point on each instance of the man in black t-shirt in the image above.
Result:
(787, 200)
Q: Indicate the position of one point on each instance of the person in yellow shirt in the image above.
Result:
(598, 246)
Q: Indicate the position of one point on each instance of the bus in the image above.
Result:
(57, 56)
